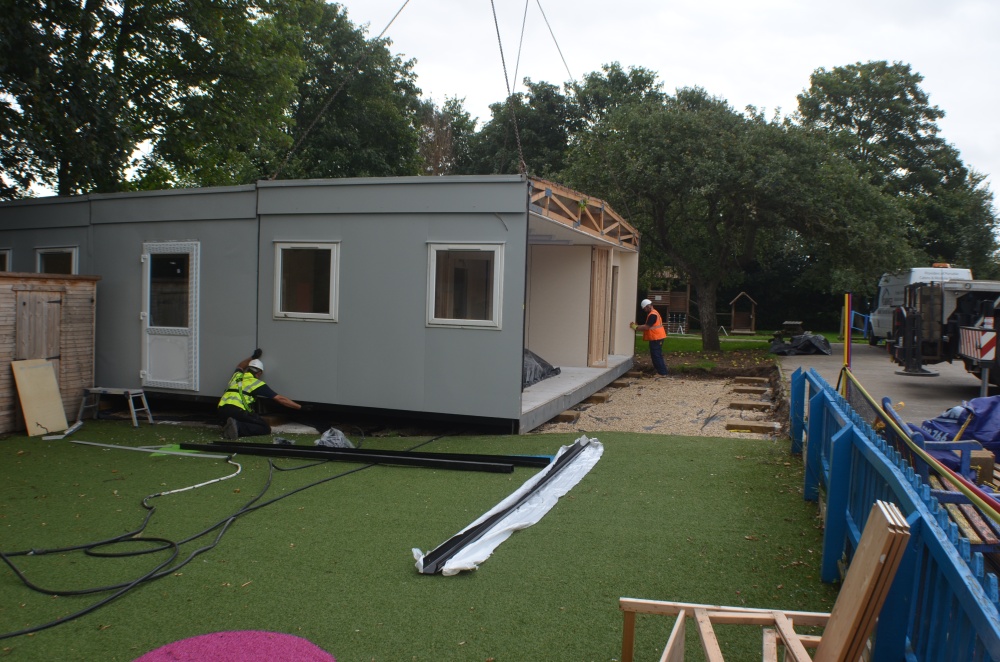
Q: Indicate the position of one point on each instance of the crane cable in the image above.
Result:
(572, 79)
(555, 41)
(521, 165)
(520, 43)
(347, 79)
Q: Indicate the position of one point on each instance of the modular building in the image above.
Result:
(417, 295)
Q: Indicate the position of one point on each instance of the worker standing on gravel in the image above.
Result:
(655, 333)
(237, 405)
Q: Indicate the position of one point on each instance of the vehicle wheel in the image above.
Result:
(872, 340)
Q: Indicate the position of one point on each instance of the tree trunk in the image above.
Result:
(707, 295)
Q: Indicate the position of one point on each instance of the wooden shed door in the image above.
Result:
(39, 324)
(600, 308)
(170, 272)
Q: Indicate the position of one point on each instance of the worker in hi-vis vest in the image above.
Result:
(654, 332)
(237, 407)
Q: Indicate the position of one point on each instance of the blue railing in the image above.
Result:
(859, 322)
(943, 605)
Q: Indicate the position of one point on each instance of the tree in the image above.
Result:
(83, 85)
(356, 114)
(536, 124)
(444, 136)
(614, 87)
(708, 186)
(229, 121)
(882, 119)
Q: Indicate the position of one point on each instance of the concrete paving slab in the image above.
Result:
(924, 397)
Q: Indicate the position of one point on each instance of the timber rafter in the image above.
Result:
(581, 212)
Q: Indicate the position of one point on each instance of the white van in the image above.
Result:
(890, 293)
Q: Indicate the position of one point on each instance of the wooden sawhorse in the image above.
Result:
(92, 400)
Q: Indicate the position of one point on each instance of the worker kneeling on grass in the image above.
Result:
(237, 407)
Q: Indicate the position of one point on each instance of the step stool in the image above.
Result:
(92, 400)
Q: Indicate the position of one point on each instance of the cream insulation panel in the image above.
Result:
(559, 304)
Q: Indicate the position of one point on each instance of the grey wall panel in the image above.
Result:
(22, 245)
(501, 194)
(228, 203)
(227, 297)
(44, 213)
(381, 353)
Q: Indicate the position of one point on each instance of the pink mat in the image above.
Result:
(239, 646)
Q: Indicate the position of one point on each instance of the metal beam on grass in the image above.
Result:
(328, 454)
(537, 461)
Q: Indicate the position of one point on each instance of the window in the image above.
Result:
(464, 284)
(169, 285)
(306, 281)
(4, 259)
(55, 260)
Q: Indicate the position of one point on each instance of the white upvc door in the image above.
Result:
(170, 275)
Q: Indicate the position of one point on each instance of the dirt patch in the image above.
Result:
(703, 396)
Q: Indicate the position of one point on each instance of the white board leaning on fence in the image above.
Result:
(38, 391)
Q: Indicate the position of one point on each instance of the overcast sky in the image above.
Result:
(750, 53)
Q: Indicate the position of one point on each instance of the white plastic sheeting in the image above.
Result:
(528, 513)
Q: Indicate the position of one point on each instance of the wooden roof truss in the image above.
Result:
(581, 212)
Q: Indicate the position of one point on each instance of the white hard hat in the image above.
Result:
(255, 363)
(645, 302)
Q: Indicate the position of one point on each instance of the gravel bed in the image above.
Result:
(674, 405)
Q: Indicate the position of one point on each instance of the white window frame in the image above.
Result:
(6, 252)
(334, 248)
(72, 250)
(497, 250)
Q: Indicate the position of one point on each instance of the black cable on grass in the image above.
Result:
(161, 570)
(83, 612)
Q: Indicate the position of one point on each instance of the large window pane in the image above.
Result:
(169, 285)
(56, 261)
(464, 285)
(305, 281)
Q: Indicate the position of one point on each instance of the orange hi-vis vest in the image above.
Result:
(655, 332)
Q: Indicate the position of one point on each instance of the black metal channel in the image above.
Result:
(436, 558)
(325, 454)
(516, 460)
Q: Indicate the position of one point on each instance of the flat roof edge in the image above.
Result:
(410, 179)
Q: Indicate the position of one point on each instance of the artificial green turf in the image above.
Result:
(694, 519)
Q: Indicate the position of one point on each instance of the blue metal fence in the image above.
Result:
(859, 322)
(943, 604)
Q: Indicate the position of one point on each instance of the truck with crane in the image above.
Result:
(929, 315)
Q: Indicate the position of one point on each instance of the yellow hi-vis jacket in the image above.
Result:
(656, 331)
(240, 390)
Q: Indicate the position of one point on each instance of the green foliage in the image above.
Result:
(614, 87)
(882, 117)
(84, 86)
(445, 133)
(108, 96)
(709, 186)
(882, 120)
(540, 121)
(229, 119)
(357, 104)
